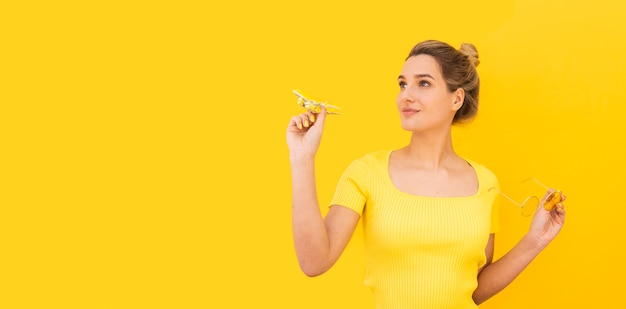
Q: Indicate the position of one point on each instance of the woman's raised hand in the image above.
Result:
(304, 133)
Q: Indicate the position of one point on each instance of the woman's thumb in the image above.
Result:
(321, 118)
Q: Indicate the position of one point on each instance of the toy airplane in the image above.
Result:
(313, 106)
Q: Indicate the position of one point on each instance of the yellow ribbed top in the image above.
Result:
(421, 252)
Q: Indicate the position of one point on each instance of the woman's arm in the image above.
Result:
(497, 275)
(318, 241)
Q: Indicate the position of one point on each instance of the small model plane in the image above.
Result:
(313, 106)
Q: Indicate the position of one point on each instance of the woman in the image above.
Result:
(428, 214)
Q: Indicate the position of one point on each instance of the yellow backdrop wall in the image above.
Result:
(144, 158)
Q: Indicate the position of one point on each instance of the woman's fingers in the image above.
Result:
(560, 208)
(303, 121)
(295, 123)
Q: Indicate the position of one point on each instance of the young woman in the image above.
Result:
(428, 214)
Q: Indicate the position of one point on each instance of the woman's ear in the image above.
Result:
(458, 98)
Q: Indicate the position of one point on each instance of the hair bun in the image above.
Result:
(470, 51)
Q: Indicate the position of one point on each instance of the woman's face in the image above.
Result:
(424, 101)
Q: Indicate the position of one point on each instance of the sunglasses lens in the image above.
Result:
(549, 204)
(529, 206)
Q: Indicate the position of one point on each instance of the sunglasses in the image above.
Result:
(530, 203)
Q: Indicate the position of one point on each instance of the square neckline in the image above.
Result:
(390, 183)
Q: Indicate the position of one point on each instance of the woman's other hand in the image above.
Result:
(546, 224)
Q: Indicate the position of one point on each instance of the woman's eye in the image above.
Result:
(402, 85)
(424, 83)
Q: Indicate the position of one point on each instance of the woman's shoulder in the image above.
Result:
(375, 157)
(370, 161)
(482, 171)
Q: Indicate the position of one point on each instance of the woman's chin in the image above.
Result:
(410, 126)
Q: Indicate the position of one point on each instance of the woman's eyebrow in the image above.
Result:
(416, 76)
(423, 75)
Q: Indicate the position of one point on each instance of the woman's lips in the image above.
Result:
(407, 112)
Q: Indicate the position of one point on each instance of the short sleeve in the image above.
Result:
(352, 188)
(495, 221)
(495, 206)
(489, 180)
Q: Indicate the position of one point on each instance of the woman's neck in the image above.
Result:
(431, 151)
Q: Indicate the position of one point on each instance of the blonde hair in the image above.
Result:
(458, 68)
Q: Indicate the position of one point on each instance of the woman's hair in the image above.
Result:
(458, 68)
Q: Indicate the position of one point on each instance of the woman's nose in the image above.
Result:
(406, 95)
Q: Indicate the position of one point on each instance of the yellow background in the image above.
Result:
(144, 162)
